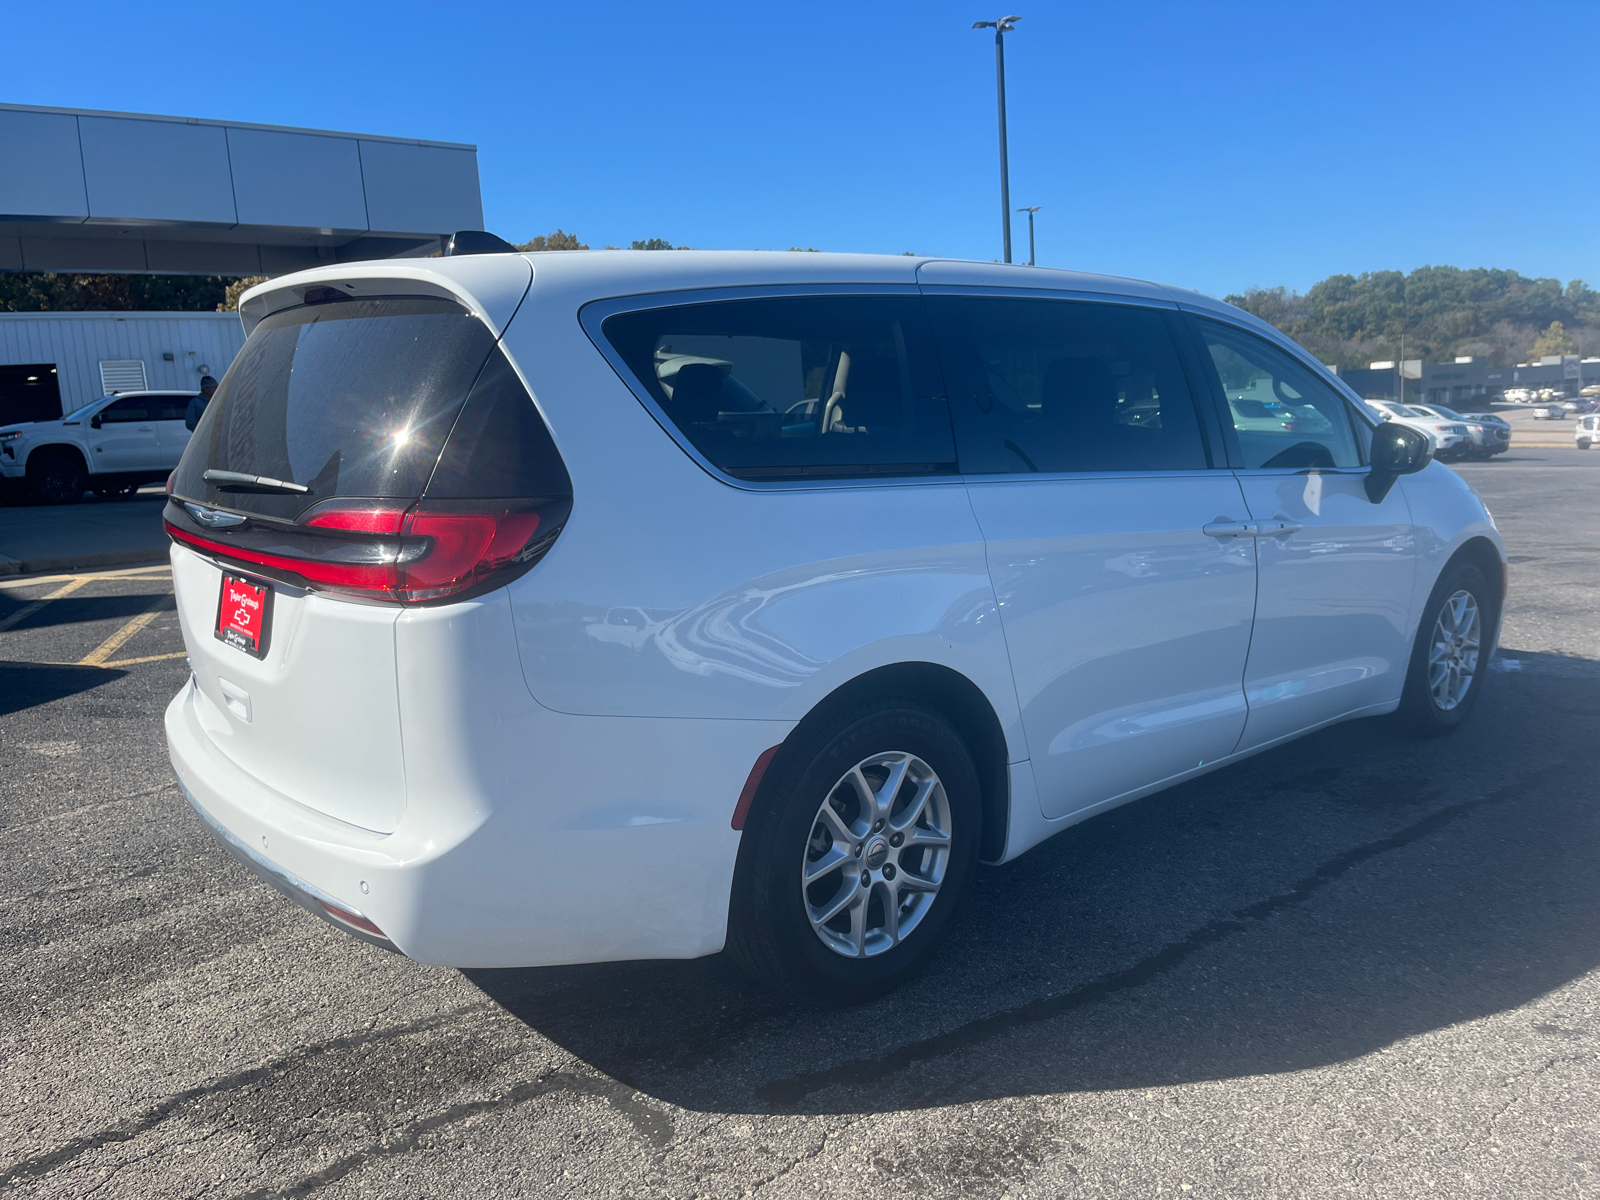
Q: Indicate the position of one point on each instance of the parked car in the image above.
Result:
(1587, 431)
(1489, 434)
(110, 446)
(1549, 412)
(579, 607)
(1517, 396)
(1450, 439)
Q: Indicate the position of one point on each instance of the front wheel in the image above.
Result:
(1450, 657)
(1583, 443)
(857, 854)
(57, 478)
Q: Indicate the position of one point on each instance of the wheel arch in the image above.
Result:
(964, 704)
(53, 450)
(1482, 553)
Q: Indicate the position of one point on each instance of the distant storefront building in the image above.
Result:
(1460, 383)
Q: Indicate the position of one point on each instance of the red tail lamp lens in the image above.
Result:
(390, 553)
(360, 520)
(467, 547)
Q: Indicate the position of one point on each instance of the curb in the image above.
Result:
(55, 566)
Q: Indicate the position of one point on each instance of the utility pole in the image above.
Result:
(1002, 27)
(1030, 212)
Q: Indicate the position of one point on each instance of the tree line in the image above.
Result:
(1440, 312)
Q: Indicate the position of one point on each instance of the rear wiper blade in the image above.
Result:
(240, 479)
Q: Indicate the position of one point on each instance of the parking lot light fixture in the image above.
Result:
(1002, 27)
(1030, 211)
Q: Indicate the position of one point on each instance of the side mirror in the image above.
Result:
(1396, 450)
(94, 421)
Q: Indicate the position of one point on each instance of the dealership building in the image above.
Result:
(107, 192)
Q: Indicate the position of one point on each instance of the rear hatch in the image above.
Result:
(360, 456)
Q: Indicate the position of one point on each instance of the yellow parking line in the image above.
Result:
(27, 610)
(98, 656)
(134, 573)
(128, 662)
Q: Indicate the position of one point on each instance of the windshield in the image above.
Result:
(78, 414)
(1449, 414)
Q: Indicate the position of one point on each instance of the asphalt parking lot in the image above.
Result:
(1352, 966)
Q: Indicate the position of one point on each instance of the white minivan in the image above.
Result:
(573, 607)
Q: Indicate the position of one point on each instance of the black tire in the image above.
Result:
(1420, 713)
(115, 491)
(769, 932)
(56, 477)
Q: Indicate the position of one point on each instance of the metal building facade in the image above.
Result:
(116, 192)
(77, 343)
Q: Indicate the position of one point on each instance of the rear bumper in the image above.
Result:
(611, 841)
(308, 896)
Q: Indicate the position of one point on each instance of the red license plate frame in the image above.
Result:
(244, 614)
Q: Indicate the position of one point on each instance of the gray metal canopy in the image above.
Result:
(126, 192)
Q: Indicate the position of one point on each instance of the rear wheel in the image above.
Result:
(857, 854)
(1583, 443)
(56, 477)
(1449, 659)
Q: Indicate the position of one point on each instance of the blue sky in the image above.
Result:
(1215, 146)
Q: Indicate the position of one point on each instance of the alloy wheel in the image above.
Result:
(1453, 650)
(877, 854)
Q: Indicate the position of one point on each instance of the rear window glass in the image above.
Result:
(352, 398)
(796, 387)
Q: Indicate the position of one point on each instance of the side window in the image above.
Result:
(1064, 385)
(795, 387)
(1282, 414)
(170, 408)
(128, 410)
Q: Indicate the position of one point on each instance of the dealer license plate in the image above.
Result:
(244, 614)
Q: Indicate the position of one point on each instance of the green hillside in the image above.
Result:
(1351, 320)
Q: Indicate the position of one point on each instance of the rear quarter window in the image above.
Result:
(795, 387)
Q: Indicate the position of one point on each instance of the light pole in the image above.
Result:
(1030, 212)
(1002, 27)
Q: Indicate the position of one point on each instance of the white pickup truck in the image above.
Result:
(109, 446)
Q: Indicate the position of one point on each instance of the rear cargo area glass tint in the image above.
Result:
(347, 398)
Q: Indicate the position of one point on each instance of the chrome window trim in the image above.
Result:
(1092, 476)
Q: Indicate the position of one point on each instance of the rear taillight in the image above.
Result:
(377, 551)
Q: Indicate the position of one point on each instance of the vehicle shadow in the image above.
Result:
(1305, 907)
(27, 685)
(76, 610)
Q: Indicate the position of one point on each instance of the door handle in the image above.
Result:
(147, 429)
(1279, 527)
(1226, 527)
